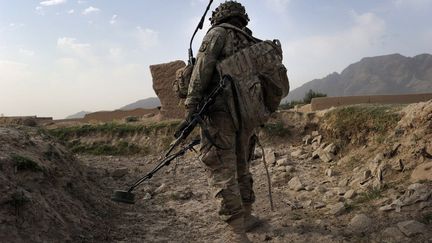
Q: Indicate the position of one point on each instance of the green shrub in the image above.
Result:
(132, 119)
(427, 218)
(369, 195)
(276, 129)
(356, 122)
(290, 105)
(118, 129)
(24, 163)
(122, 148)
(18, 199)
(312, 94)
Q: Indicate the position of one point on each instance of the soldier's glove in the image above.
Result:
(190, 112)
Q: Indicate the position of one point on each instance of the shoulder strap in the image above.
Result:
(232, 27)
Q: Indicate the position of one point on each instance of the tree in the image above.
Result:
(312, 94)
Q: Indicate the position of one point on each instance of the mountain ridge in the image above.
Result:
(379, 75)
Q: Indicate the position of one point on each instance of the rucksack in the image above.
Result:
(259, 79)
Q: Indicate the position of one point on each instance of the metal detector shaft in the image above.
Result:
(165, 162)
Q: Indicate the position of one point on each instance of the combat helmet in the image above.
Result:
(229, 9)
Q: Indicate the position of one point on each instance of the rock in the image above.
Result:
(315, 146)
(279, 178)
(329, 196)
(398, 165)
(163, 75)
(326, 156)
(315, 154)
(341, 191)
(306, 203)
(315, 133)
(337, 209)
(411, 228)
(422, 172)
(330, 173)
(147, 196)
(331, 148)
(367, 174)
(161, 189)
(281, 169)
(282, 162)
(317, 139)
(307, 139)
(295, 184)
(319, 205)
(297, 153)
(392, 152)
(289, 169)
(184, 194)
(360, 223)
(350, 194)
(378, 158)
(321, 189)
(119, 173)
(257, 153)
(415, 193)
(395, 234)
(309, 188)
(270, 156)
(343, 182)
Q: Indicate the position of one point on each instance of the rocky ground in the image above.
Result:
(373, 187)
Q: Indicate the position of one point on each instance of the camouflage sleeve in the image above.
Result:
(205, 66)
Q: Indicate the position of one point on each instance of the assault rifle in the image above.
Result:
(181, 135)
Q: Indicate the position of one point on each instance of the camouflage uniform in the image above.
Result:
(228, 160)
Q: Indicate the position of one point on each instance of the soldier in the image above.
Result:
(228, 154)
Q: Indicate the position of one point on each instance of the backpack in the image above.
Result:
(259, 79)
(181, 81)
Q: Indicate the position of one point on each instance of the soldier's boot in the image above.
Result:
(250, 221)
(237, 233)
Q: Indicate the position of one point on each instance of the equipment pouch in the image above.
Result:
(181, 82)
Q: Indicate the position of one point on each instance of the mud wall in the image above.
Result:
(107, 116)
(327, 102)
(163, 77)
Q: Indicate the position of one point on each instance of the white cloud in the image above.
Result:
(26, 52)
(363, 38)
(71, 11)
(113, 19)
(72, 48)
(39, 10)
(416, 4)
(278, 5)
(147, 37)
(90, 10)
(52, 2)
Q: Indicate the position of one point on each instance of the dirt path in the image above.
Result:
(184, 211)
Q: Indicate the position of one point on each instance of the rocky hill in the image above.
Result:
(389, 74)
(148, 103)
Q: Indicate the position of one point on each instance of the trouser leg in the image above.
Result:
(246, 145)
(222, 167)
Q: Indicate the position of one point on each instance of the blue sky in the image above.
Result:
(58, 57)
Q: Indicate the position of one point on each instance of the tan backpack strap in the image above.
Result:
(232, 27)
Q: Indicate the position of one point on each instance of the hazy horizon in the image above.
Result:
(59, 57)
